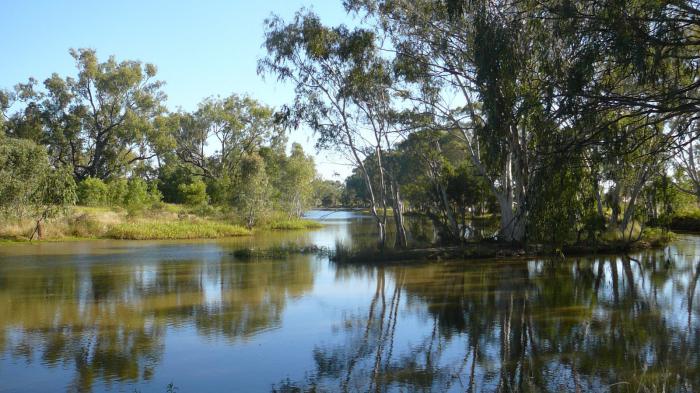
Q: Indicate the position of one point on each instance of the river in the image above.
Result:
(122, 316)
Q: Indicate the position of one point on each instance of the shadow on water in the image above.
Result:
(615, 323)
(125, 316)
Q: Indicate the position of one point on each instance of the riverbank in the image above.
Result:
(686, 221)
(169, 222)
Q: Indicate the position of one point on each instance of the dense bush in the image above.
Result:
(116, 191)
(28, 184)
(139, 195)
(134, 194)
(92, 192)
(170, 178)
(193, 194)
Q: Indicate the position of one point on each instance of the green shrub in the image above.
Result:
(116, 192)
(686, 220)
(193, 194)
(136, 193)
(92, 192)
(29, 186)
(657, 236)
(139, 195)
(170, 176)
(155, 196)
(205, 210)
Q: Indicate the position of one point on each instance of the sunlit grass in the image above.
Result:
(652, 236)
(294, 224)
(614, 235)
(151, 230)
(165, 221)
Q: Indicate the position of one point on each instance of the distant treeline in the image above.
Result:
(104, 137)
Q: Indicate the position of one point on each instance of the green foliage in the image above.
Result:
(193, 194)
(96, 118)
(140, 195)
(327, 193)
(687, 219)
(117, 189)
(23, 165)
(657, 236)
(355, 191)
(252, 201)
(296, 182)
(136, 193)
(93, 192)
(28, 184)
(241, 125)
(59, 189)
(133, 194)
(170, 177)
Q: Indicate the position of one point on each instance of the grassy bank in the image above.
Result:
(163, 222)
(150, 230)
(293, 224)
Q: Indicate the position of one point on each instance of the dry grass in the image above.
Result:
(96, 222)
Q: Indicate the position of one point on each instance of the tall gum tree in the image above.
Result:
(469, 72)
(99, 122)
(528, 84)
(343, 91)
(213, 140)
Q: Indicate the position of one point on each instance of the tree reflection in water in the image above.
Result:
(621, 324)
(108, 322)
(618, 323)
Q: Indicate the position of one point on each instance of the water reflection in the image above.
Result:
(122, 316)
(592, 324)
(108, 321)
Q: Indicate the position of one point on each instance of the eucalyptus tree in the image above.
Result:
(636, 76)
(327, 193)
(213, 140)
(4, 106)
(478, 69)
(29, 186)
(343, 91)
(296, 182)
(651, 45)
(536, 86)
(686, 161)
(252, 198)
(424, 173)
(99, 122)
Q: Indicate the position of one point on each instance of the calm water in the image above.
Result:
(136, 316)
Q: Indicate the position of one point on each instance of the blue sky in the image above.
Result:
(201, 48)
